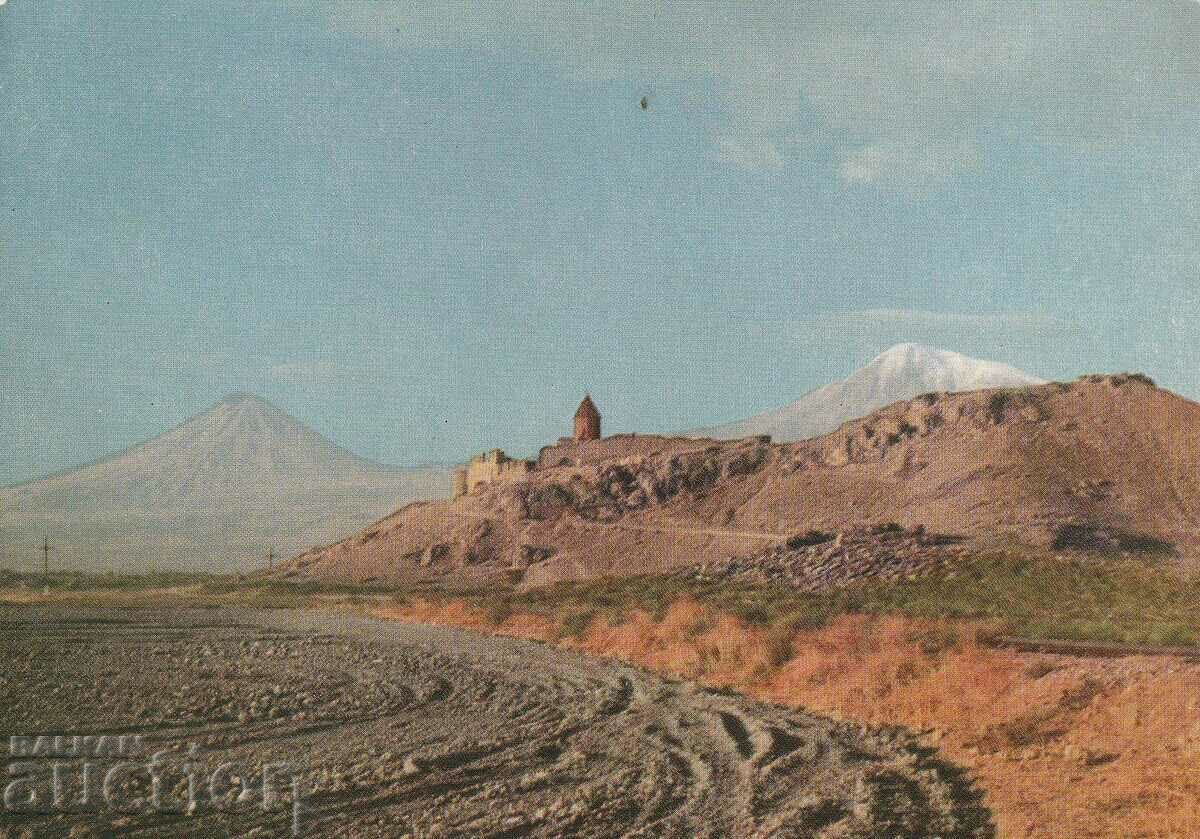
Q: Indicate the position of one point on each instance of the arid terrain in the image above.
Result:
(1064, 746)
(653, 418)
(1105, 463)
(419, 731)
(900, 571)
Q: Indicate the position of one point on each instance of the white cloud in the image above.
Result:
(867, 164)
(749, 152)
(894, 160)
(904, 88)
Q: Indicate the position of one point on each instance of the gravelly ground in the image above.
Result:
(396, 729)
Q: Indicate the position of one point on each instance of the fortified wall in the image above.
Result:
(569, 451)
(585, 447)
(488, 468)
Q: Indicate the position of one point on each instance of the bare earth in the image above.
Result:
(402, 729)
(1104, 463)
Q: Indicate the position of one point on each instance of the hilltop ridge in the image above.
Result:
(903, 371)
(1108, 463)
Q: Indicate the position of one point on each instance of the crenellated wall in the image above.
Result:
(488, 468)
(571, 452)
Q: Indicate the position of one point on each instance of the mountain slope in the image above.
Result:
(1108, 463)
(216, 492)
(903, 372)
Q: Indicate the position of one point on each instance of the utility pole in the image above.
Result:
(46, 556)
(271, 559)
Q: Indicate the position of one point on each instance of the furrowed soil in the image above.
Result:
(1063, 746)
(417, 730)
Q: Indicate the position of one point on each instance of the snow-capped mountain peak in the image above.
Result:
(904, 371)
(951, 371)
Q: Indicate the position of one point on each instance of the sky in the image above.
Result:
(428, 229)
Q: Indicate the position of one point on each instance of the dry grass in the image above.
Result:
(1064, 747)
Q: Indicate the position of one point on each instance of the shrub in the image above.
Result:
(1084, 537)
(996, 405)
(1081, 696)
(752, 613)
(1119, 379)
(804, 540)
(701, 626)
(1090, 537)
(778, 645)
(574, 624)
(1040, 667)
(1144, 544)
(498, 611)
(933, 640)
(1035, 728)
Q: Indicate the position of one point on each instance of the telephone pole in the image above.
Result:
(46, 556)
(271, 559)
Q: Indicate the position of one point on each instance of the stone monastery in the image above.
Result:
(495, 466)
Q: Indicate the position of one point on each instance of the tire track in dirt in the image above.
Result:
(441, 733)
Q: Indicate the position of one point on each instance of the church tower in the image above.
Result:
(587, 420)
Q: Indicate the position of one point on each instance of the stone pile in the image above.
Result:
(819, 561)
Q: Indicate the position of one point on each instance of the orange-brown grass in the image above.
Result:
(1063, 746)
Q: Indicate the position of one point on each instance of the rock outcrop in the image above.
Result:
(1106, 464)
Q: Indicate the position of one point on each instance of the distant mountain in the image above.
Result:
(903, 372)
(215, 493)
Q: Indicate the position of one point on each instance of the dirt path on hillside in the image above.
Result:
(692, 531)
(396, 729)
(669, 529)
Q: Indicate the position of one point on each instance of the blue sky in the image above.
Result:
(429, 231)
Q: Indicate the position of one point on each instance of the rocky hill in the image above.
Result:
(1106, 463)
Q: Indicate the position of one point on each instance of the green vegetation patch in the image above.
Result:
(84, 581)
(1037, 597)
(1031, 597)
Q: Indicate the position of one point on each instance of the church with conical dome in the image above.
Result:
(587, 420)
(585, 447)
(496, 467)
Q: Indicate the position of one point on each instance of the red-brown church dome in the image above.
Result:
(587, 420)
